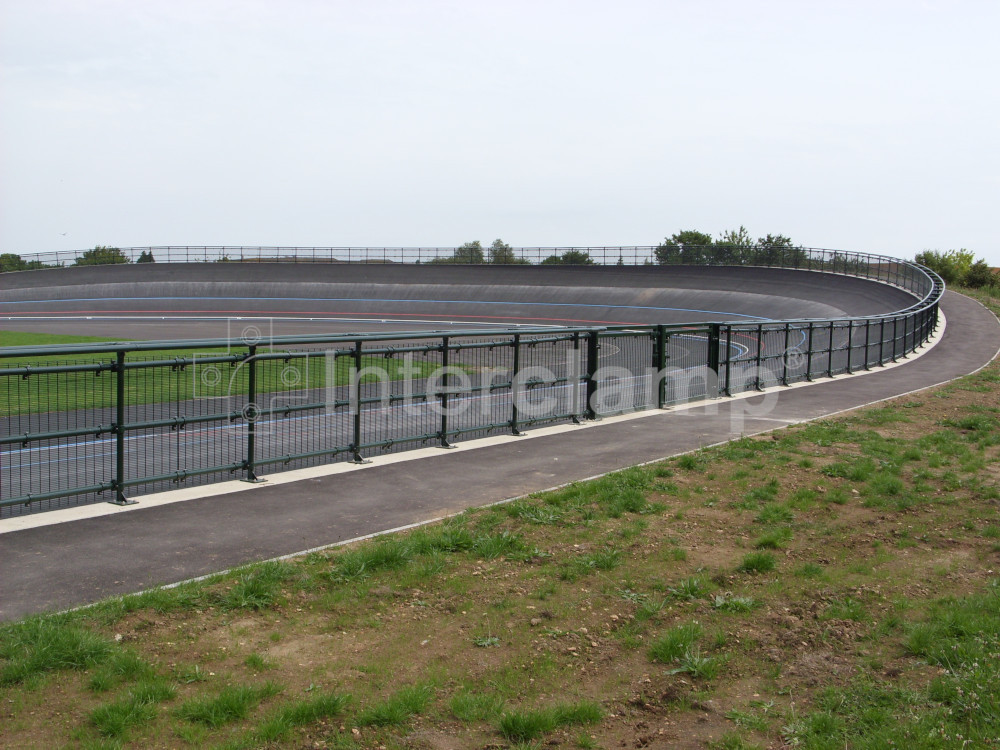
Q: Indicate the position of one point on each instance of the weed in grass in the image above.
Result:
(491, 546)
(747, 720)
(803, 498)
(38, 645)
(810, 570)
(605, 559)
(673, 643)
(397, 708)
(693, 663)
(885, 485)
(691, 462)
(732, 603)
(230, 704)
(469, 706)
(847, 608)
(137, 707)
(186, 674)
(371, 557)
(757, 562)
(858, 470)
(123, 666)
(281, 722)
(774, 513)
(257, 587)
(773, 538)
(522, 726)
(485, 641)
(732, 741)
(689, 588)
(636, 597)
(973, 423)
(258, 662)
(649, 609)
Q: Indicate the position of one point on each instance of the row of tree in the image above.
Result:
(959, 267)
(502, 254)
(735, 246)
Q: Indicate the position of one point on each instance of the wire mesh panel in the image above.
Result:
(626, 375)
(55, 419)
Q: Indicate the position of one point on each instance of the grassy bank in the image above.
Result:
(829, 585)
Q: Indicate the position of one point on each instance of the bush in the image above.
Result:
(102, 255)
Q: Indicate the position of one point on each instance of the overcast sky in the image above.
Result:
(851, 125)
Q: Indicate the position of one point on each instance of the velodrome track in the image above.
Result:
(155, 544)
(209, 300)
(228, 300)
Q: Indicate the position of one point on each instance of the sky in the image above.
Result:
(868, 126)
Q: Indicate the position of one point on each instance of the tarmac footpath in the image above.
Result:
(81, 560)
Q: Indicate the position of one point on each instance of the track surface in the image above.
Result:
(210, 300)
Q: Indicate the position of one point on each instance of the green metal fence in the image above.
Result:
(114, 421)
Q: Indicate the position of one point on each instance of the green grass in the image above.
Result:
(757, 562)
(675, 642)
(470, 706)
(230, 704)
(280, 723)
(398, 708)
(137, 707)
(259, 587)
(37, 645)
(522, 726)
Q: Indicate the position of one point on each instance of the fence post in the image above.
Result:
(444, 393)
(809, 354)
(712, 359)
(251, 412)
(356, 387)
(784, 358)
(593, 347)
(760, 353)
(829, 354)
(515, 369)
(659, 365)
(119, 481)
(850, 346)
(895, 337)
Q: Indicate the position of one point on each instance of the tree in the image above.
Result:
(952, 266)
(980, 275)
(470, 252)
(777, 250)
(146, 256)
(734, 246)
(569, 258)
(102, 255)
(686, 246)
(503, 254)
(11, 262)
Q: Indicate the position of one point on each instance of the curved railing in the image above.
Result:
(117, 420)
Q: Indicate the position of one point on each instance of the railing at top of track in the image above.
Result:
(77, 421)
